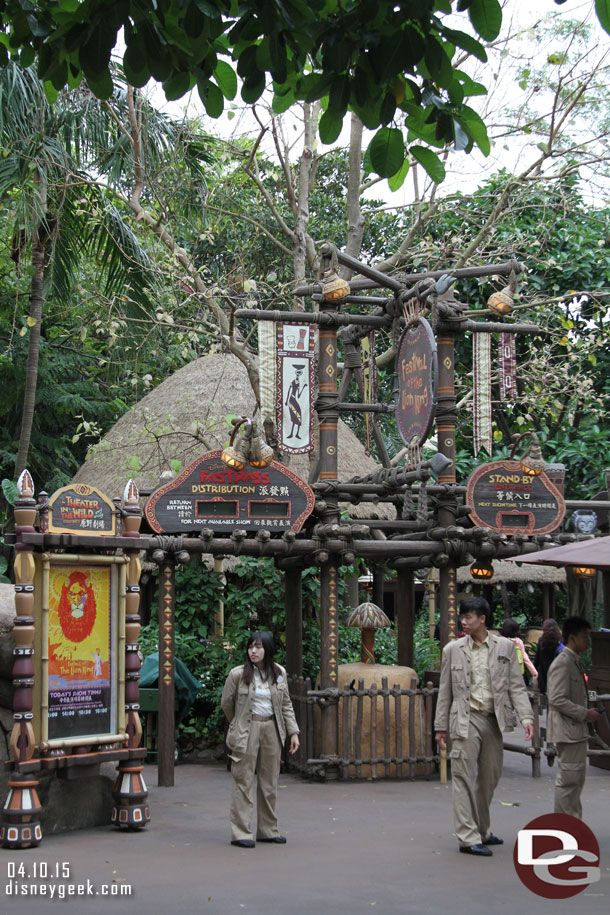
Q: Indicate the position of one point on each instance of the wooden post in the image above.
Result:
(329, 623)
(378, 585)
(130, 793)
(405, 615)
(352, 592)
(166, 723)
(329, 660)
(293, 602)
(20, 827)
(606, 575)
(546, 601)
(447, 576)
(219, 616)
(431, 598)
(447, 513)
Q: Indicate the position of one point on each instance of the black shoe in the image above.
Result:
(277, 840)
(480, 850)
(243, 843)
(493, 840)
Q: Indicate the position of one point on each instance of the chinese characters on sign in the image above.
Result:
(81, 509)
(509, 500)
(208, 494)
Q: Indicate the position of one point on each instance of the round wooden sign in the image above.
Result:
(415, 386)
(504, 497)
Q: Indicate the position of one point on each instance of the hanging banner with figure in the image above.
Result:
(295, 351)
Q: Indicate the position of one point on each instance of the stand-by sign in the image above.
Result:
(509, 500)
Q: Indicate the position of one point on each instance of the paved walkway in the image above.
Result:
(353, 848)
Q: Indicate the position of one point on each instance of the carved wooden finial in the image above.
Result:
(25, 485)
(131, 494)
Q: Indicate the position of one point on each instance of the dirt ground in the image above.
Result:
(352, 848)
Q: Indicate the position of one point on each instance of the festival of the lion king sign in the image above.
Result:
(208, 494)
(415, 386)
(509, 500)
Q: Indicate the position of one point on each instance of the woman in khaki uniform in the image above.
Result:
(257, 704)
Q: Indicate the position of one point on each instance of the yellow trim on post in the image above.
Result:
(44, 649)
(122, 601)
(90, 740)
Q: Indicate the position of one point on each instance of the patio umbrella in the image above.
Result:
(593, 553)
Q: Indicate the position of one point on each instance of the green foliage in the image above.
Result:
(386, 62)
(254, 599)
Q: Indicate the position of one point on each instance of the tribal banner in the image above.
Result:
(267, 368)
(369, 376)
(295, 352)
(507, 367)
(481, 356)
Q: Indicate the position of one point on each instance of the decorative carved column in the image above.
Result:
(606, 575)
(166, 725)
(329, 624)
(130, 792)
(20, 827)
(448, 510)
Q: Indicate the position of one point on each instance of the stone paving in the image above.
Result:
(352, 848)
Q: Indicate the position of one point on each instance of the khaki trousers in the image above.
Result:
(476, 767)
(262, 755)
(572, 763)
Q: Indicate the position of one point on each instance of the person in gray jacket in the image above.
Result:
(480, 685)
(569, 716)
(256, 702)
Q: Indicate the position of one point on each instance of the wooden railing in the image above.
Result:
(382, 732)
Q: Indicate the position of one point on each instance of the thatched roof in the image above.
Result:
(186, 416)
(511, 572)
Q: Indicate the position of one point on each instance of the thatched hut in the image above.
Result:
(508, 574)
(189, 414)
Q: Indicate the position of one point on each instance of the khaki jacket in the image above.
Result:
(236, 702)
(453, 705)
(568, 700)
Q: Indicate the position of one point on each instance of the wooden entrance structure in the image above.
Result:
(427, 532)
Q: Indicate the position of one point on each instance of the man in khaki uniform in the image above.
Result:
(569, 716)
(480, 684)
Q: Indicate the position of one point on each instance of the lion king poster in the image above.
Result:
(81, 675)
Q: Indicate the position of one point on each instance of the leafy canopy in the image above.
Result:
(389, 62)
(392, 63)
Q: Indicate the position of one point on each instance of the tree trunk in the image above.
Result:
(31, 378)
(355, 219)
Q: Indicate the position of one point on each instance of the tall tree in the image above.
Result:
(41, 175)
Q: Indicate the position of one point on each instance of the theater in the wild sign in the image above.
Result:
(509, 500)
(208, 494)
